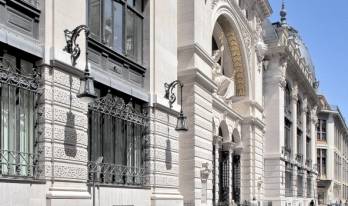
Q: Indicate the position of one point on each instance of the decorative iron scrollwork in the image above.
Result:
(170, 95)
(116, 107)
(72, 47)
(11, 75)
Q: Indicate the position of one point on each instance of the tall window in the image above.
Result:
(118, 24)
(321, 162)
(321, 130)
(117, 132)
(287, 99)
(287, 136)
(18, 89)
(308, 148)
(299, 114)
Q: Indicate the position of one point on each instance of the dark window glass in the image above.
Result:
(94, 18)
(118, 25)
(121, 28)
(119, 140)
(16, 117)
(108, 22)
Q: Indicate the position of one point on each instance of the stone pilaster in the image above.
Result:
(294, 117)
(304, 131)
(63, 136)
(164, 157)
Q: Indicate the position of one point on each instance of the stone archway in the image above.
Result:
(226, 41)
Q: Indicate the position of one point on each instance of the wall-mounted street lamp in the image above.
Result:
(86, 90)
(181, 124)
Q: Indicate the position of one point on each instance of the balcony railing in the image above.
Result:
(17, 164)
(105, 173)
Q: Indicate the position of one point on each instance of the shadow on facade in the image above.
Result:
(168, 155)
(70, 136)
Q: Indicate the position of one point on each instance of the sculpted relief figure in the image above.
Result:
(225, 84)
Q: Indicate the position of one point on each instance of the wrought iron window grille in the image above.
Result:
(107, 173)
(33, 3)
(116, 107)
(121, 174)
(11, 75)
(20, 163)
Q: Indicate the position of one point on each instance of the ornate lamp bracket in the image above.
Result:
(72, 47)
(170, 95)
(181, 119)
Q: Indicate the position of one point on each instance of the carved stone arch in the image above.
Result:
(236, 138)
(239, 43)
(224, 132)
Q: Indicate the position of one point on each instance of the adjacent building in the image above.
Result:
(332, 148)
(290, 115)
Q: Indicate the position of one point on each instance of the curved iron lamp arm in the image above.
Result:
(170, 95)
(72, 47)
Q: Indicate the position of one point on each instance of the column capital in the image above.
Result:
(314, 116)
(304, 105)
(294, 92)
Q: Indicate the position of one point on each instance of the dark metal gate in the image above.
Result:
(236, 178)
(223, 178)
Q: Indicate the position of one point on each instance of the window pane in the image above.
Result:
(108, 22)
(133, 42)
(130, 41)
(94, 18)
(118, 26)
(139, 39)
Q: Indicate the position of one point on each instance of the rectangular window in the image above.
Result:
(94, 20)
(18, 91)
(321, 130)
(120, 23)
(287, 136)
(117, 133)
(321, 162)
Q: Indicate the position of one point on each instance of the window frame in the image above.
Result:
(109, 172)
(23, 152)
(101, 39)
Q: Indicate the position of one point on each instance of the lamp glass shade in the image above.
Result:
(181, 124)
(86, 90)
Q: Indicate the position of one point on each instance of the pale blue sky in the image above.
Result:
(323, 25)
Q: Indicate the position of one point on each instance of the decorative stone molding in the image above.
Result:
(304, 105)
(314, 116)
(217, 140)
(205, 172)
(294, 92)
(260, 46)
